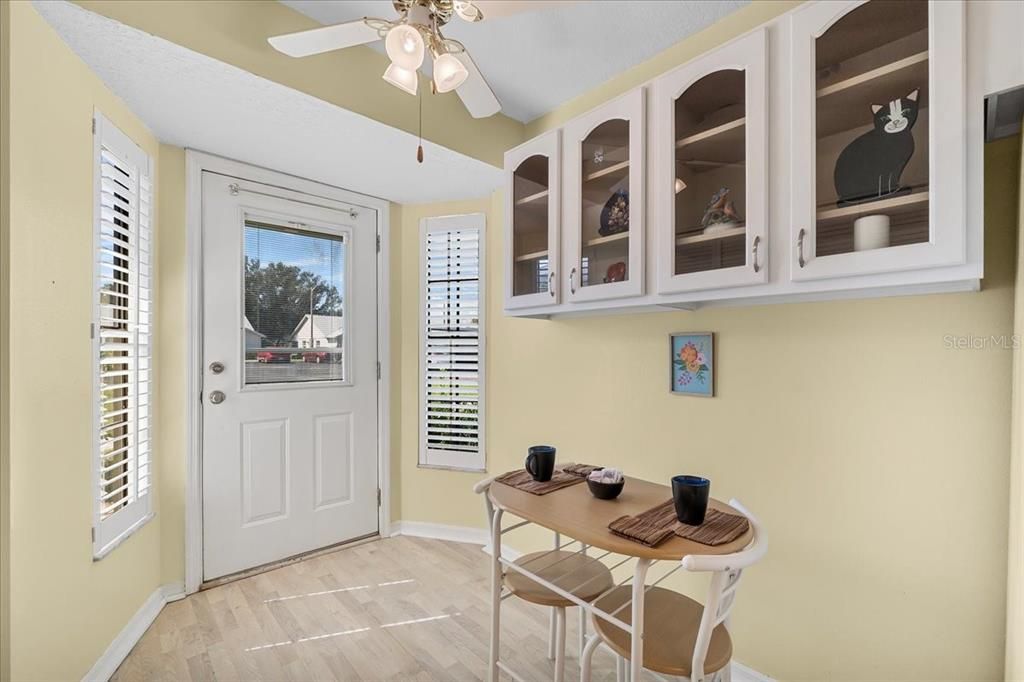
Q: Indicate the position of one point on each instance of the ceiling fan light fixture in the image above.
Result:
(449, 72)
(403, 79)
(404, 46)
(467, 10)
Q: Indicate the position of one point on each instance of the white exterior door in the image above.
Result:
(289, 459)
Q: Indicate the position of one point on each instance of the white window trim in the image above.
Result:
(109, 533)
(440, 459)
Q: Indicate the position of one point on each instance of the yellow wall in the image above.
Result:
(5, 461)
(236, 33)
(65, 608)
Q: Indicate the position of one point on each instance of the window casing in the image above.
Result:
(452, 342)
(122, 332)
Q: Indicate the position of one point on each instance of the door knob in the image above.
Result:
(217, 397)
(216, 367)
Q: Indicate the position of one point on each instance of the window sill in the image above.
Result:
(116, 542)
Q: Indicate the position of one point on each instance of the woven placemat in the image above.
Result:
(659, 523)
(522, 480)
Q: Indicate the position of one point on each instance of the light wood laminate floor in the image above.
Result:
(402, 608)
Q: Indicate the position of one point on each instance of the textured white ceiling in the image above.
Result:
(538, 59)
(190, 100)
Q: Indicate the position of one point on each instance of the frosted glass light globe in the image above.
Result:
(404, 46)
(449, 73)
(403, 79)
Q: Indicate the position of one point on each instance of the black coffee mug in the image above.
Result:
(690, 494)
(540, 463)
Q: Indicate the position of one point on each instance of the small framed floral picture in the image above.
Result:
(693, 363)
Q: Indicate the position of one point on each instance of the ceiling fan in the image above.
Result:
(407, 40)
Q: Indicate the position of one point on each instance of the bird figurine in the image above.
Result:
(720, 213)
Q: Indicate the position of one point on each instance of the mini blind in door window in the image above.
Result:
(122, 332)
(452, 361)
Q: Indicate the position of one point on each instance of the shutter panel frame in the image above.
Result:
(122, 484)
(452, 342)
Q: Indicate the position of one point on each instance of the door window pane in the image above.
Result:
(872, 128)
(294, 321)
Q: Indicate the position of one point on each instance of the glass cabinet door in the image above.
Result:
(532, 222)
(877, 192)
(712, 170)
(605, 201)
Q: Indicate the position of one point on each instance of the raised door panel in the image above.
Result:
(603, 217)
(877, 134)
(711, 177)
(532, 218)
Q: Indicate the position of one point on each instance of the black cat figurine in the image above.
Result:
(870, 166)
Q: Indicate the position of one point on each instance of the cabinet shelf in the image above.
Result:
(604, 172)
(537, 196)
(737, 231)
(900, 203)
(711, 133)
(600, 241)
(846, 105)
(716, 147)
(536, 255)
(880, 72)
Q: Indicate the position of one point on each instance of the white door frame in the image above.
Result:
(196, 162)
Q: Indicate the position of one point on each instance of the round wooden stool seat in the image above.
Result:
(671, 622)
(580, 575)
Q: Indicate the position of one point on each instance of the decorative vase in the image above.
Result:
(871, 232)
(615, 214)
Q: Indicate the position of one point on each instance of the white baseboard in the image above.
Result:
(132, 632)
(440, 531)
(742, 673)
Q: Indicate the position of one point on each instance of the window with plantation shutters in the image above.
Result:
(122, 334)
(452, 333)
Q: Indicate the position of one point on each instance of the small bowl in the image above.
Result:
(605, 491)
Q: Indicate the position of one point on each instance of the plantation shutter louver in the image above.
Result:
(452, 434)
(122, 334)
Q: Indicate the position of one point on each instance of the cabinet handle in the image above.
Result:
(753, 252)
(572, 281)
(551, 283)
(800, 247)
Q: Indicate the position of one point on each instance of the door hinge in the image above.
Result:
(94, 126)
(93, 534)
(200, 397)
(378, 370)
(92, 330)
(378, 243)
(378, 497)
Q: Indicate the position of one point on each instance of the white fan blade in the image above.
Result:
(502, 8)
(317, 40)
(475, 93)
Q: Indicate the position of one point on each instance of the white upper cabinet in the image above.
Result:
(710, 144)
(877, 137)
(532, 218)
(603, 216)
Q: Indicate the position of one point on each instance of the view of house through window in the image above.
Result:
(294, 305)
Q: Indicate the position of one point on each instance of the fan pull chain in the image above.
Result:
(419, 149)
